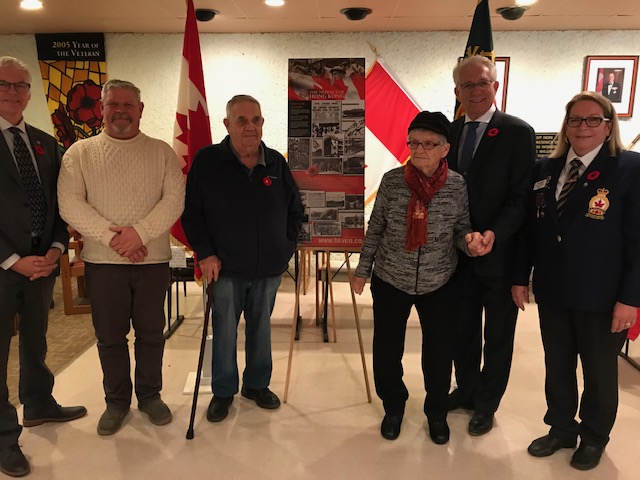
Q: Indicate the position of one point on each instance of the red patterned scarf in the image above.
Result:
(422, 191)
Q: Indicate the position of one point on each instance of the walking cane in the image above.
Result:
(207, 312)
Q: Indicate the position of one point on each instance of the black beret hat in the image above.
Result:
(432, 121)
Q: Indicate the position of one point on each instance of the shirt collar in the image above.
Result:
(484, 118)
(6, 125)
(587, 158)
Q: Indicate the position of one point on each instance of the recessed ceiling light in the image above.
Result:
(31, 4)
(525, 3)
(274, 3)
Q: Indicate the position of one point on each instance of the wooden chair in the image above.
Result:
(70, 269)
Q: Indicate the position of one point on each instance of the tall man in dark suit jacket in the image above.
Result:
(32, 237)
(612, 90)
(495, 153)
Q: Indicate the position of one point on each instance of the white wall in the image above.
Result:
(546, 71)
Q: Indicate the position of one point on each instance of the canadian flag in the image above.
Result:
(388, 113)
(191, 130)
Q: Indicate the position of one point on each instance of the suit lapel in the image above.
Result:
(7, 161)
(487, 143)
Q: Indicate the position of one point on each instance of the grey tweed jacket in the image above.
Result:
(430, 266)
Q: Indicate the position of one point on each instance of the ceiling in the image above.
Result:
(252, 16)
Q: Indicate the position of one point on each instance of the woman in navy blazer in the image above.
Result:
(582, 241)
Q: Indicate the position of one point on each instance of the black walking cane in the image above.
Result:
(207, 312)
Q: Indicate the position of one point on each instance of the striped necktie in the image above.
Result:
(31, 183)
(570, 182)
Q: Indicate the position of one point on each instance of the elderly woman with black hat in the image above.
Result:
(419, 220)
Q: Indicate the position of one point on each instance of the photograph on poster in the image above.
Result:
(327, 229)
(335, 199)
(615, 78)
(326, 79)
(354, 202)
(328, 166)
(323, 214)
(299, 153)
(325, 118)
(353, 165)
(351, 219)
(305, 233)
(312, 198)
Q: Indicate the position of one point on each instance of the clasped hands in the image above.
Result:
(127, 243)
(480, 244)
(36, 266)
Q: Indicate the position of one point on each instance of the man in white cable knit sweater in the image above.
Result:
(123, 191)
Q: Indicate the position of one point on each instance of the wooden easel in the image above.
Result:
(294, 323)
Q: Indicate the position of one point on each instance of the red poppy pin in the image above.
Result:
(39, 150)
(267, 181)
(593, 175)
(493, 132)
(312, 171)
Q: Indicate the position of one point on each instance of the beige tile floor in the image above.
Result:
(327, 430)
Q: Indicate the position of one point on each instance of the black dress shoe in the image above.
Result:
(13, 462)
(587, 457)
(456, 401)
(218, 408)
(390, 428)
(480, 423)
(439, 432)
(548, 445)
(34, 416)
(264, 397)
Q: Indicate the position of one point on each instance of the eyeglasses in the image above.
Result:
(471, 85)
(413, 145)
(590, 121)
(19, 87)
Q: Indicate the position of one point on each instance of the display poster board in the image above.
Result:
(326, 148)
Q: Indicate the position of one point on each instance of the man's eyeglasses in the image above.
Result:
(590, 121)
(20, 87)
(471, 85)
(413, 145)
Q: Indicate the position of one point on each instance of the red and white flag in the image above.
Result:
(388, 113)
(191, 130)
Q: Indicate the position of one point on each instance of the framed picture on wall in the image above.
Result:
(502, 75)
(615, 78)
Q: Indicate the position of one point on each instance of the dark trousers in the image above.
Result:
(31, 300)
(122, 295)
(484, 386)
(566, 335)
(391, 308)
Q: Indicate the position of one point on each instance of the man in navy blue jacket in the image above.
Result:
(242, 218)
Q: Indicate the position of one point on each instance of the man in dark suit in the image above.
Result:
(32, 237)
(495, 153)
(612, 89)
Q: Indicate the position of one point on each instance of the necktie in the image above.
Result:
(570, 182)
(31, 183)
(467, 147)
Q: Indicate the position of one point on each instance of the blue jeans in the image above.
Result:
(231, 297)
